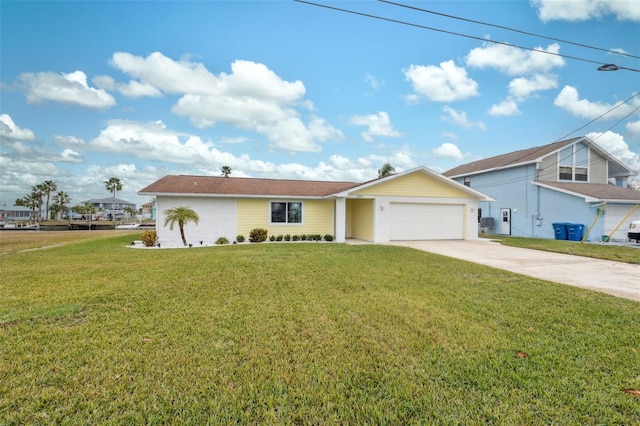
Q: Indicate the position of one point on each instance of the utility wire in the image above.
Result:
(424, 27)
(508, 28)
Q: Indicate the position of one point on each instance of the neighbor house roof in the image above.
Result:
(511, 159)
(227, 186)
(108, 200)
(595, 192)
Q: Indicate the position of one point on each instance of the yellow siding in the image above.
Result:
(360, 213)
(317, 216)
(413, 185)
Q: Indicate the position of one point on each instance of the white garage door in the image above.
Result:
(426, 221)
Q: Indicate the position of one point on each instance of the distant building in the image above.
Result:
(149, 210)
(106, 207)
(15, 214)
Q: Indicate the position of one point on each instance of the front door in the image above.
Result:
(505, 223)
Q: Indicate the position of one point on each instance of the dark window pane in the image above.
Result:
(295, 213)
(278, 212)
(581, 174)
(566, 173)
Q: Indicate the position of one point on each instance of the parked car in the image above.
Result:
(634, 231)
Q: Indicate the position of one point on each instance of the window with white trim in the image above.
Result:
(573, 162)
(286, 212)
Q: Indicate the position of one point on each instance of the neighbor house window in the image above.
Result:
(574, 163)
(467, 181)
(286, 212)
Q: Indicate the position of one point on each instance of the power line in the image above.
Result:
(424, 27)
(508, 29)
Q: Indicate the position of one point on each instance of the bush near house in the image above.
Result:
(240, 238)
(258, 235)
(149, 238)
(222, 240)
(328, 237)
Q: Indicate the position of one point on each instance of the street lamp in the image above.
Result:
(614, 67)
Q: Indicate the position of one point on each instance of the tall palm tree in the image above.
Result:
(113, 185)
(48, 186)
(225, 171)
(38, 190)
(386, 170)
(61, 199)
(180, 215)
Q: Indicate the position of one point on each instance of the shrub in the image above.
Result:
(222, 240)
(240, 238)
(272, 238)
(149, 238)
(295, 238)
(303, 237)
(258, 235)
(287, 237)
(317, 237)
(279, 238)
(328, 237)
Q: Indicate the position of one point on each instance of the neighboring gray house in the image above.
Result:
(571, 181)
(108, 205)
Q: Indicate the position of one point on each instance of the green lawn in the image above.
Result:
(596, 250)
(304, 333)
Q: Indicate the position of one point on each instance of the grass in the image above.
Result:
(598, 251)
(95, 332)
(15, 241)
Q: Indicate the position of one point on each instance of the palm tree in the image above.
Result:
(225, 171)
(130, 211)
(48, 186)
(31, 201)
(182, 215)
(386, 170)
(61, 199)
(38, 191)
(113, 185)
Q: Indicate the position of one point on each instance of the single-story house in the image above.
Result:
(572, 181)
(417, 204)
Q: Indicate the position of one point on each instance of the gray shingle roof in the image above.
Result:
(598, 191)
(216, 185)
(510, 159)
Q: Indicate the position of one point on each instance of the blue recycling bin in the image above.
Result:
(560, 230)
(575, 231)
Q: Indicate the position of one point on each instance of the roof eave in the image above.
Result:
(587, 198)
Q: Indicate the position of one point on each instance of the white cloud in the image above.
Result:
(70, 89)
(448, 150)
(460, 118)
(450, 135)
(378, 125)
(507, 107)
(375, 83)
(523, 87)
(615, 145)
(569, 100)
(444, 83)
(9, 130)
(633, 127)
(252, 98)
(514, 61)
(581, 10)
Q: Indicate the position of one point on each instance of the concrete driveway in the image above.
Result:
(615, 278)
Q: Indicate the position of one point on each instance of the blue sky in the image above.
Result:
(282, 89)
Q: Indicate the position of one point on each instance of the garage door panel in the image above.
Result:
(426, 221)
